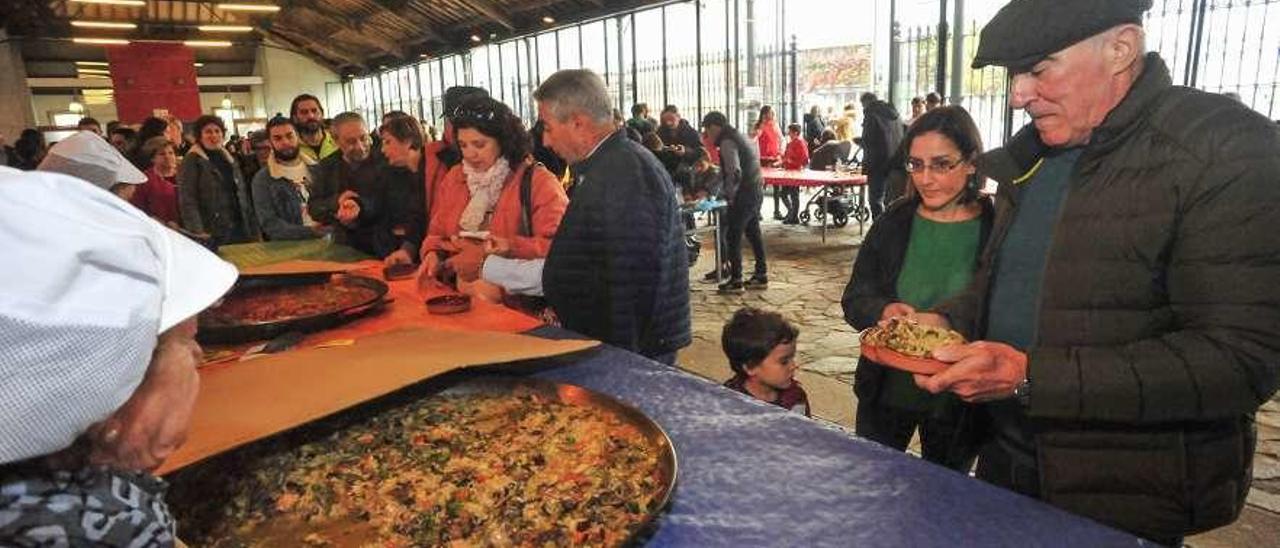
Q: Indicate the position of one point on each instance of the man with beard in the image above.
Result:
(308, 117)
(281, 189)
(370, 209)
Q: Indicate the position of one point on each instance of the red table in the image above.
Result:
(826, 181)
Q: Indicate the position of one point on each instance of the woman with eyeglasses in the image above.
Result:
(495, 213)
(923, 250)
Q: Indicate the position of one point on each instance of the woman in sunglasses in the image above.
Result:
(923, 250)
(495, 213)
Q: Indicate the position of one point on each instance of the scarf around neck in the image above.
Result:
(485, 187)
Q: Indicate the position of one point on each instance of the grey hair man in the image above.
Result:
(617, 269)
(372, 207)
(1126, 310)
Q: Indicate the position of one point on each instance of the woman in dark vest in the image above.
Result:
(923, 250)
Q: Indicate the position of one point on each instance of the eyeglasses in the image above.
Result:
(476, 114)
(940, 166)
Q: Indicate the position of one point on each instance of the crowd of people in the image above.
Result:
(1118, 287)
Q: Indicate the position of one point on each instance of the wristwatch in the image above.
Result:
(1023, 392)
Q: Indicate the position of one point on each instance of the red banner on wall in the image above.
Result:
(154, 76)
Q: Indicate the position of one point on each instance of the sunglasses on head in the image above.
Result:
(477, 114)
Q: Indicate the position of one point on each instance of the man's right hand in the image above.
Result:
(348, 212)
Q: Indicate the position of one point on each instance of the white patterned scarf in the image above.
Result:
(485, 187)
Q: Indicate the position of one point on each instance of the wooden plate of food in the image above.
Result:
(907, 345)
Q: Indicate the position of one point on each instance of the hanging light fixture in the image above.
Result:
(76, 106)
(101, 41)
(207, 43)
(104, 25)
(135, 3)
(249, 7)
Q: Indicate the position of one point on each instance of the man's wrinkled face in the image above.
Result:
(284, 143)
(559, 136)
(1066, 94)
(354, 141)
(309, 117)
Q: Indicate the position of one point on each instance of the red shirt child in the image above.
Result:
(797, 154)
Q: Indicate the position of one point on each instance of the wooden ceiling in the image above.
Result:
(348, 36)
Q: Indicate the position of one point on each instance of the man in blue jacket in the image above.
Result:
(282, 187)
(617, 268)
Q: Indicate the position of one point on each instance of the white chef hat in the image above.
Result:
(89, 284)
(87, 156)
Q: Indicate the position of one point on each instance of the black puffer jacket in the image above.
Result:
(882, 132)
(617, 269)
(1159, 314)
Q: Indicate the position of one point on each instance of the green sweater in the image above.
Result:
(938, 264)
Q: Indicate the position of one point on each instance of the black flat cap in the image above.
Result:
(1024, 32)
(456, 95)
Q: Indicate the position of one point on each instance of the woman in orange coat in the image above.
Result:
(486, 235)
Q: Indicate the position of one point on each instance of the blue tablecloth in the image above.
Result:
(752, 474)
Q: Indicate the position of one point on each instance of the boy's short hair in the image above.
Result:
(752, 334)
(794, 128)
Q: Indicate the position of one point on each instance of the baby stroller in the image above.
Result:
(840, 203)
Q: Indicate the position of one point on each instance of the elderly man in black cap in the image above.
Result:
(1126, 309)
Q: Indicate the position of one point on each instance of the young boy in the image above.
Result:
(796, 157)
(761, 347)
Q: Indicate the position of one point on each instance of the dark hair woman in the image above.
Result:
(213, 197)
(496, 211)
(923, 250)
(151, 127)
(158, 197)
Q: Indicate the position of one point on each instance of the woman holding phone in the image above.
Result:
(496, 212)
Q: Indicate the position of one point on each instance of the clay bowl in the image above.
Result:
(455, 303)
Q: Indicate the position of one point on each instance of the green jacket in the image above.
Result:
(1159, 313)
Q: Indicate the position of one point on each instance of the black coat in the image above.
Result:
(618, 270)
(392, 206)
(685, 135)
(1159, 311)
(830, 154)
(882, 132)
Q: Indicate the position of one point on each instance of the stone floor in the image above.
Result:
(806, 281)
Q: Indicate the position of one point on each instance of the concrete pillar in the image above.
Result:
(15, 94)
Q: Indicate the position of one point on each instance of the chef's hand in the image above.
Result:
(348, 212)
(399, 256)
(153, 422)
(497, 245)
(980, 371)
(894, 310)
